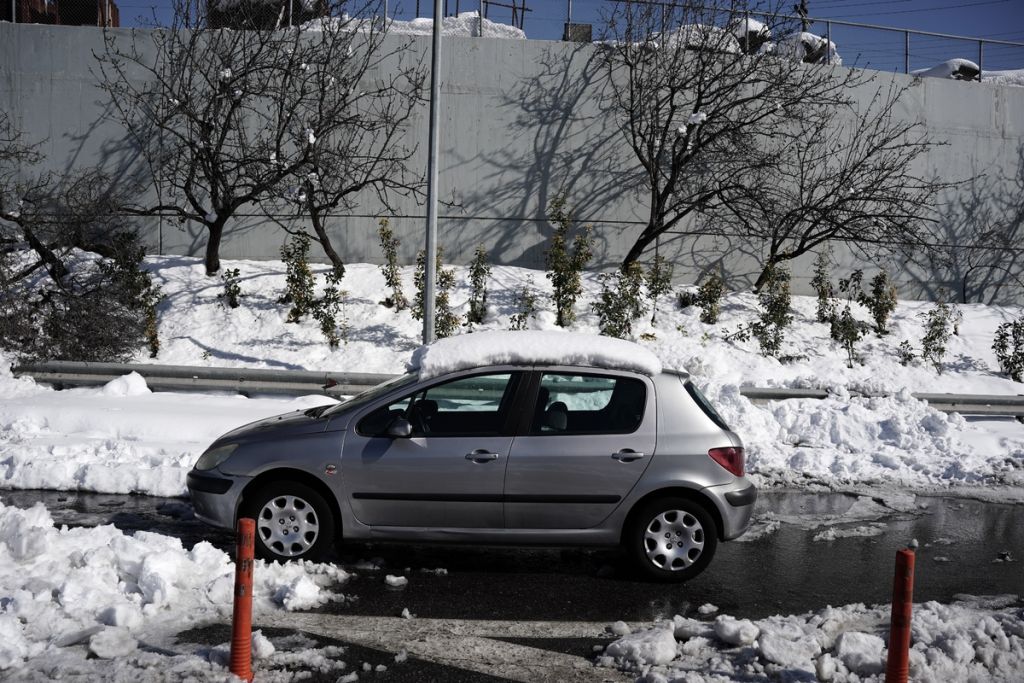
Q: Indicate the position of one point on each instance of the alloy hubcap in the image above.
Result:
(674, 540)
(288, 525)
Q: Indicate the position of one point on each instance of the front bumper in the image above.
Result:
(215, 496)
(735, 502)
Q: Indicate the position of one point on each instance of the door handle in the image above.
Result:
(627, 455)
(481, 455)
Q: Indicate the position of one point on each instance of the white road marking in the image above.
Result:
(462, 643)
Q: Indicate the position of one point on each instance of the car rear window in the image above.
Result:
(705, 405)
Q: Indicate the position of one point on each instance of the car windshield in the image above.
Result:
(372, 393)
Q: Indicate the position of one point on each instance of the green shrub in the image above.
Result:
(232, 289)
(709, 298)
(134, 286)
(822, 284)
(564, 266)
(846, 330)
(298, 277)
(446, 322)
(479, 271)
(659, 282)
(905, 353)
(392, 275)
(940, 323)
(881, 301)
(1009, 348)
(327, 310)
(775, 317)
(526, 307)
(620, 301)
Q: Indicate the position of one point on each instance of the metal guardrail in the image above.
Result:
(247, 381)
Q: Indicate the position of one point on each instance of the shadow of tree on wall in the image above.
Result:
(982, 233)
(562, 141)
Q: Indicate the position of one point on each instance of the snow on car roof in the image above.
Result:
(531, 347)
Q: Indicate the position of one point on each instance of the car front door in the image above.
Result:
(590, 438)
(449, 471)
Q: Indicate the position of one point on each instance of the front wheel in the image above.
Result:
(293, 522)
(672, 539)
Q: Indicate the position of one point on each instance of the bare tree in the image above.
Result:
(362, 148)
(692, 105)
(836, 174)
(225, 118)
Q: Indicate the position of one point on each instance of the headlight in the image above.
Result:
(215, 456)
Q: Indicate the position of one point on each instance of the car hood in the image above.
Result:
(295, 423)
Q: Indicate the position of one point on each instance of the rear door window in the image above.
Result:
(570, 403)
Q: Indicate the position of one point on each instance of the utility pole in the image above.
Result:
(802, 12)
(430, 259)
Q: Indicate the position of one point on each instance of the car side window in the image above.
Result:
(466, 406)
(588, 404)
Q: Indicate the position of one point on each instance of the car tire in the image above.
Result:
(293, 522)
(671, 539)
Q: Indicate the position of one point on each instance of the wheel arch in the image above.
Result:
(281, 474)
(674, 492)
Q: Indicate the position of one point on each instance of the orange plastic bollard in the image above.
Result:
(897, 665)
(241, 620)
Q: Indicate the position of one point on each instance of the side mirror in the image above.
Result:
(399, 428)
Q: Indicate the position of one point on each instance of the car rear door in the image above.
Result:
(449, 473)
(590, 437)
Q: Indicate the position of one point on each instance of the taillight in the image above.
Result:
(731, 459)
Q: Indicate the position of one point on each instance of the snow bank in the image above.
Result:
(108, 591)
(971, 639)
(465, 25)
(1013, 77)
(806, 47)
(531, 347)
(960, 69)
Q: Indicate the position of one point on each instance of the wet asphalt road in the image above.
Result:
(785, 571)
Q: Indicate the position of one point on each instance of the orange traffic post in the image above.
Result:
(897, 665)
(241, 620)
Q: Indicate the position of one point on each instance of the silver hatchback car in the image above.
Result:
(524, 438)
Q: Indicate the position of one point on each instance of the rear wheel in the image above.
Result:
(293, 521)
(672, 539)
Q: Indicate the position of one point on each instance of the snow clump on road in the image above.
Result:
(974, 638)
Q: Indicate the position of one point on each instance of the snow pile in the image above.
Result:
(119, 438)
(1014, 77)
(971, 639)
(109, 591)
(702, 37)
(465, 25)
(531, 347)
(960, 69)
(806, 47)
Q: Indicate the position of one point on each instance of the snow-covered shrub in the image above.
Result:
(881, 301)
(775, 317)
(659, 282)
(232, 290)
(479, 271)
(940, 323)
(905, 353)
(327, 310)
(526, 308)
(564, 266)
(298, 277)
(822, 284)
(392, 275)
(709, 298)
(1009, 348)
(621, 301)
(133, 287)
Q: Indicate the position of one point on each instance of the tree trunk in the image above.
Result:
(763, 277)
(212, 260)
(325, 243)
(54, 265)
(636, 251)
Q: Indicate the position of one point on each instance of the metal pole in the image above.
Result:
(981, 58)
(385, 12)
(290, 3)
(430, 268)
(14, 11)
(906, 52)
(568, 13)
(828, 42)
(480, 14)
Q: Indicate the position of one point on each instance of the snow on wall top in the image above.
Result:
(531, 347)
(465, 25)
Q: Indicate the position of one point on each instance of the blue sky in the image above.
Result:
(996, 19)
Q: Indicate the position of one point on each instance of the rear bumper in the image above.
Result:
(735, 502)
(215, 496)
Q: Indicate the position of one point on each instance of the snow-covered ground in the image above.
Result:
(99, 604)
(124, 438)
